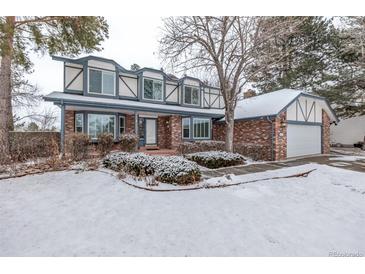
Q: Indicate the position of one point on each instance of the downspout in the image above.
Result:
(62, 128)
(272, 137)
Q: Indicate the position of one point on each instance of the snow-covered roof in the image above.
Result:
(67, 98)
(271, 104)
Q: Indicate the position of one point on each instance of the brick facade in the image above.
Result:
(130, 123)
(325, 133)
(176, 134)
(69, 123)
(269, 133)
(164, 132)
(248, 132)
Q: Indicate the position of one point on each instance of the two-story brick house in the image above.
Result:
(99, 95)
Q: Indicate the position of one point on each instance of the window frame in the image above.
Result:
(153, 80)
(182, 125)
(121, 117)
(82, 122)
(102, 114)
(191, 95)
(102, 82)
(209, 128)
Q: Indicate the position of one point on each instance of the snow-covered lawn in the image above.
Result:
(93, 213)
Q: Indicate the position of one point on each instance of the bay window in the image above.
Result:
(152, 89)
(191, 95)
(201, 128)
(100, 123)
(101, 82)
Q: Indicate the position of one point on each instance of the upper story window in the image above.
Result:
(191, 96)
(101, 82)
(152, 89)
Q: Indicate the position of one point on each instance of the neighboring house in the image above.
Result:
(99, 96)
(348, 131)
(287, 123)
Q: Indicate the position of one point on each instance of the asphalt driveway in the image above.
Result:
(349, 162)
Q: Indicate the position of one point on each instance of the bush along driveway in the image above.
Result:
(355, 163)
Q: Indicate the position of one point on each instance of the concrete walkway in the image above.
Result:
(358, 165)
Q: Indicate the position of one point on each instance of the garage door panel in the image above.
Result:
(303, 140)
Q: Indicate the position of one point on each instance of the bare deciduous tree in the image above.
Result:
(223, 46)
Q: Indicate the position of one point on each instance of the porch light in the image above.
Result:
(283, 124)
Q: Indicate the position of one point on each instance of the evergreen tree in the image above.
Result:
(320, 57)
(308, 56)
(45, 34)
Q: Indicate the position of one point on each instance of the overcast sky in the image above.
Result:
(131, 40)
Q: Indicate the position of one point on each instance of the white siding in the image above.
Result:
(206, 96)
(173, 97)
(70, 74)
(305, 109)
(151, 74)
(191, 82)
(348, 131)
(101, 65)
(132, 84)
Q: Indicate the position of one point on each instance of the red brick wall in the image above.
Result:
(325, 133)
(130, 123)
(164, 131)
(248, 131)
(258, 132)
(175, 124)
(69, 123)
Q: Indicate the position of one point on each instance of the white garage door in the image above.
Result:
(303, 140)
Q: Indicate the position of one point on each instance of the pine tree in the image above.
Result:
(44, 34)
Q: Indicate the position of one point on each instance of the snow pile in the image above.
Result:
(216, 159)
(350, 158)
(171, 169)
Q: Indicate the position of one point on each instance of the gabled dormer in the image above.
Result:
(100, 77)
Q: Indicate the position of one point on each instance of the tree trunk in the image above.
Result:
(229, 116)
(5, 90)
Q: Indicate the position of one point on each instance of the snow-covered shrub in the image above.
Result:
(128, 142)
(105, 143)
(192, 147)
(78, 146)
(253, 151)
(166, 169)
(176, 169)
(216, 159)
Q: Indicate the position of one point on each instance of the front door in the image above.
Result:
(151, 129)
(147, 129)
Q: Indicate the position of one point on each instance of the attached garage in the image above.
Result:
(303, 140)
(282, 124)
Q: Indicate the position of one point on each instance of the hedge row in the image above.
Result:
(31, 145)
(253, 151)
